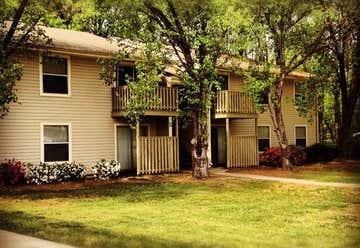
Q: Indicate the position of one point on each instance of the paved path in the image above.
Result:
(223, 172)
(14, 240)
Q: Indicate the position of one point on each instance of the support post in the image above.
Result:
(228, 143)
(138, 147)
(170, 123)
(257, 140)
(177, 127)
(209, 139)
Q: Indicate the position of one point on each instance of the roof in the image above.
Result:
(65, 40)
(81, 42)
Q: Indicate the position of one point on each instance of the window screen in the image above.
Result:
(264, 138)
(55, 75)
(124, 73)
(298, 94)
(56, 143)
(223, 80)
(300, 134)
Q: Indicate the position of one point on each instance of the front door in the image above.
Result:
(218, 146)
(126, 147)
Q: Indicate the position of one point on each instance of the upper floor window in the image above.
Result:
(297, 91)
(125, 73)
(264, 138)
(300, 136)
(56, 143)
(55, 75)
(224, 81)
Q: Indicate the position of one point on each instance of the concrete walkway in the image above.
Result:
(224, 172)
(14, 240)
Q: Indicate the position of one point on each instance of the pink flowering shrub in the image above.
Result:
(12, 172)
(272, 156)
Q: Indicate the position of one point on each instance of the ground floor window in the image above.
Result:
(300, 135)
(56, 145)
(263, 138)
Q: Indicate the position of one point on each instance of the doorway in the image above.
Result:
(218, 145)
(126, 147)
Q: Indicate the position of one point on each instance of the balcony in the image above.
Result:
(166, 106)
(234, 104)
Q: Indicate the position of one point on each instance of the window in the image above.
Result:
(124, 73)
(264, 138)
(297, 91)
(224, 81)
(300, 135)
(56, 143)
(55, 75)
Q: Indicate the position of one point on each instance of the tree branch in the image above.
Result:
(14, 24)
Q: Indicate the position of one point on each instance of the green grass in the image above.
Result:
(344, 174)
(220, 212)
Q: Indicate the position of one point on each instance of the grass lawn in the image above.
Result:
(176, 211)
(342, 172)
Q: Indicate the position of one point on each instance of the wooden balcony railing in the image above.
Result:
(166, 104)
(233, 104)
(242, 151)
(158, 154)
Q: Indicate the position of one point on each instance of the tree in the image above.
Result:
(285, 34)
(343, 45)
(18, 32)
(192, 35)
(339, 68)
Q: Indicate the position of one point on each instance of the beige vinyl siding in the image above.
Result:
(242, 127)
(235, 83)
(290, 114)
(291, 118)
(88, 110)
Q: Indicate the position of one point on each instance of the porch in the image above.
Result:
(233, 104)
(234, 143)
(166, 106)
(151, 147)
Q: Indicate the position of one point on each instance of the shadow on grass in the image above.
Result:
(129, 192)
(78, 234)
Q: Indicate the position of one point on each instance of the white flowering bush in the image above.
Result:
(104, 169)
(54, 172)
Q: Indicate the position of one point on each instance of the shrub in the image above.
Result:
(54, 172)
(272, 156)
(321, 152)
(106, 169)
(12, 172)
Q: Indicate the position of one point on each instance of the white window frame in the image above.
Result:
(306, 134)
(42, 144)
(67, 57)
(257, 131)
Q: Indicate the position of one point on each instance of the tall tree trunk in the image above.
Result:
(349, 95)
(200, 161)
(337, 115)
(276, 116)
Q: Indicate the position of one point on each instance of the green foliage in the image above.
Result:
(260, 80)
(150, 71)
(9, 74)
(150, 67)
(190, 36)
(18, 31)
